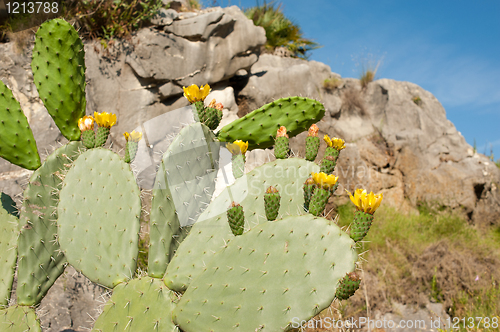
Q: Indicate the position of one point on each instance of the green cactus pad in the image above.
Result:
(19, 319)
(281, 147)
(347, 286)
(261, 281)
(17, 143)
(9, 228)
(212, 230)
(329, 160)
(259, 127)
(200, 114)
(59, 73)
(40, 261)
(318, 201)
(140, 305)
(236, 219)
(312, 147)
(361, 225)
(99, 213)
(101, 136)
(308, 188)
(183, 189)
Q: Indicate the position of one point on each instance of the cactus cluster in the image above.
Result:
(255, 257)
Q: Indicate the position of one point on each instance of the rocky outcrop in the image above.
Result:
(399, 139)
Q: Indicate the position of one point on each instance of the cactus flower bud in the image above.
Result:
(282, 132)
(313, 131)
(86, 123)
(272, 203)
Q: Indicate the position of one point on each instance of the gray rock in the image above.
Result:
(164, 17)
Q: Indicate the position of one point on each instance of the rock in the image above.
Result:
(164, 17)
(143, 79)
(412, 153)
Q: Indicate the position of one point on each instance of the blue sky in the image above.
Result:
(450, 48)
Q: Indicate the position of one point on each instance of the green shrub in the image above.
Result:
(280, 31)
(331, 84)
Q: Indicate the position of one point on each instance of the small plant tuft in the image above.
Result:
(417, 100)
(331, 84)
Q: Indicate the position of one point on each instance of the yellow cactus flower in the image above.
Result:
(237, 147)
(313, 131)
(194, 94)
(281, 132)
(366, 202)
(336, 143)
(324, 180)
(86, 123)
(105, 119)
(133, 136)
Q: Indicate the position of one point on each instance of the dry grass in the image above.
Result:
(331, 84)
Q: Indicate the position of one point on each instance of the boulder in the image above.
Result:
(398, 144)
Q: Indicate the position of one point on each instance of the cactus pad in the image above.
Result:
(281, 147)
(17, 143)
(140, 305)
(9, 228)
(272, 274)
(312, 147)
(183, 189)
(99, 213)
(19, 319)
(212, 230)
(40, 260)
(259, 127)
(59, 73)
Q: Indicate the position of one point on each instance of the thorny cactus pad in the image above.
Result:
(259, 127)
(59, 73)
(17, 143)
(272, 274)
(212, 230)
(40, 260)
(99, 212)
(183, 189)
(9, 228)
(140, 305)
(19, 319)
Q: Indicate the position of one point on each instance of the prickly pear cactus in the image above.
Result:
(140, 305)
(19, 319)
(40, 261)
(99, 211)
(17, 143)
(212, 230)
(252, 284)
(59, 73)
(259, 127)
(183, 189)
(9, 228)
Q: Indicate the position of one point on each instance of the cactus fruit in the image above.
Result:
(348, 286)
(86, 125)
(312, 143)
(361, 225)
(238, 150)
(40, 261)
(272, 199)
(98, 217)
(212, 230)
(334, 146)
(17, 143)
(366, 205)
(281, 147)
(139, 305)
(9, 228)
(252, 282)
(132, 145)
(325, 187)
(59, 73)
(236, 219)
(259, 127)
(104, 122)
(213, 114)
(19, 318)
(308, 188)
(183, 189)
